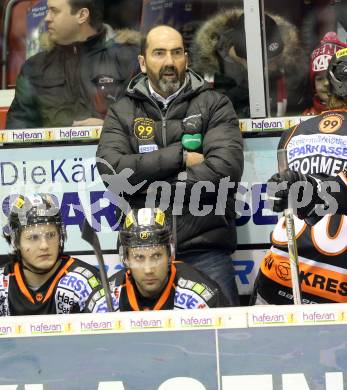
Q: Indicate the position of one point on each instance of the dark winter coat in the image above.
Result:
(214, 117)
(73, 82)
(207, 61)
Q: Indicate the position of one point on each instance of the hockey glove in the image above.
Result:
(304, 192)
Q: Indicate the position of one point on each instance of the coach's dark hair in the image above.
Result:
(95, 7)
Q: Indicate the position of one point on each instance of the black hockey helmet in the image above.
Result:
(145, 227)
(337, 73)
(36, 209)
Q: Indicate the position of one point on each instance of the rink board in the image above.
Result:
(241, 348)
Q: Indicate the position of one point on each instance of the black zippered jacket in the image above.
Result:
(71, 82)
(137, 124)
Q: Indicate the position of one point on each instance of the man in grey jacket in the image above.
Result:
(172, 131)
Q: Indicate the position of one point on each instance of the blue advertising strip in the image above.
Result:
(255, 223)
(69, 173)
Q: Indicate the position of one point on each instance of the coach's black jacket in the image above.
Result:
(136, 126)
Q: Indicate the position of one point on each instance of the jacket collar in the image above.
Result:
(165, 101)
(95, 42)
(138, 86)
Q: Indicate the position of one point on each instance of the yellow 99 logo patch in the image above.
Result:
(330, 123)
(144, 128)
(144, 235)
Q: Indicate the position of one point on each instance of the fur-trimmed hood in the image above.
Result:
(128, 36)
(204, 53)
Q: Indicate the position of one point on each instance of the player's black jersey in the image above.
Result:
(341, 197)
(318, 147)
(66, 291)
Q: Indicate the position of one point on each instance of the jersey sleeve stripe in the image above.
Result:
(131, 293)
(167, 290)
(21, 284)
(290, 137)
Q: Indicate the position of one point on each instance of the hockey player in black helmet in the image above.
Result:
(323, 194)
(337, 75)
(29, 211)
(152, 279)
(316, 181)
(40, 279)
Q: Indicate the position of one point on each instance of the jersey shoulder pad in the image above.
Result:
(97, 302)
(193, 290)
(85, 271)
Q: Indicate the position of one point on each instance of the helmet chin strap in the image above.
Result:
(38, 271)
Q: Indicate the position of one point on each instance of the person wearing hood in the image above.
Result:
(319, 62)
(219, 53)
(80, 72)
(172, 130)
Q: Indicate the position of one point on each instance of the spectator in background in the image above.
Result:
(40, 279)
(219, 53)
(152, 279)
(123, 14)
(320, 58)
(171, 122)
(78, 76)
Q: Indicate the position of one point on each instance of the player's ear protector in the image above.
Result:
(13, 240)
(61, 243)
(172, 253)
(122, 257)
